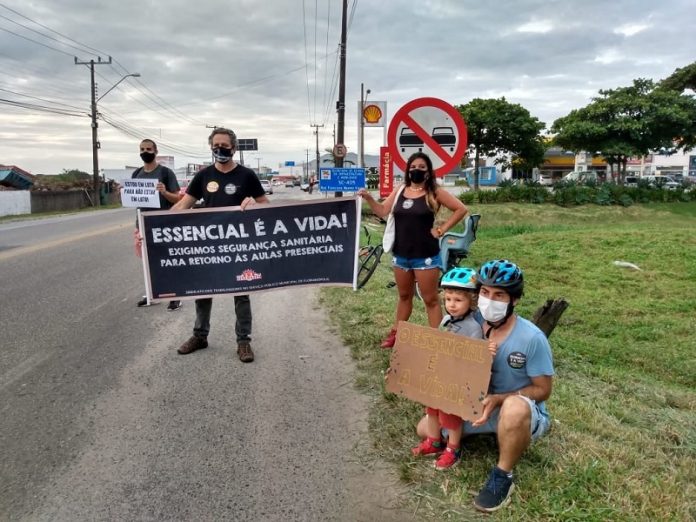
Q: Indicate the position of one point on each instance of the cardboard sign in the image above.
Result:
(140, 193)
(440, 369)
(189, 254)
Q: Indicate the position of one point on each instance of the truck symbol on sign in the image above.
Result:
(443, 136)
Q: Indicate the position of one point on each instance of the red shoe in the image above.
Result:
(390, 340)
(447, 459)
(428, 446)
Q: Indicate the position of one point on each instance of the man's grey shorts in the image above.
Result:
(538, 426)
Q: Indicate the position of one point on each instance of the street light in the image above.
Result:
(95, 125)
(363, 99)
(134, 75)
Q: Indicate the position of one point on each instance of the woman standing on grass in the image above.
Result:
(416, 250)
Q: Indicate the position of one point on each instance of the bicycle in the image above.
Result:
(454, 247)
(369, 257)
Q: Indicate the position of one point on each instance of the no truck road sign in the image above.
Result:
(432, 126)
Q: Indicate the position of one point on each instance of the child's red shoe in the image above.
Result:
(427, 447)
(447, 459)
(390, 339)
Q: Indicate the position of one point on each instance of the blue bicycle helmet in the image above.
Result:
(460, 278)
(502, 273)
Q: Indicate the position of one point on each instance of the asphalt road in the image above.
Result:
(103, 420)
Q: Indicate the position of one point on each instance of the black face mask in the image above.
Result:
(222, 155)
(147, 157)
(417, 175)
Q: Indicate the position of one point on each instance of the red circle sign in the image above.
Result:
(432, 126)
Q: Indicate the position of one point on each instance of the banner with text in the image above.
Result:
(440, 369)
(207, 252)
(140, 193)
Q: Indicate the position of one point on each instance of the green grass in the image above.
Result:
(623, 440)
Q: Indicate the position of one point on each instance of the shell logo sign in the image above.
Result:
(374, 113)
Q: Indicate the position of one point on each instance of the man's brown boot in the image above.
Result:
(244, 351)
(194, 343)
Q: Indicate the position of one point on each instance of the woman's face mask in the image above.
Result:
(417, 175)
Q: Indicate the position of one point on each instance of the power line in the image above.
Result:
(41, 34)
(316, 22)
(42, 108)
(141, 133)
(96, 51)
(306, 66)
(40, 99)
(34, 41)
(326, 54)
(152, 96)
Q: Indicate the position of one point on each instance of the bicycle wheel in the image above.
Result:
(369, 258)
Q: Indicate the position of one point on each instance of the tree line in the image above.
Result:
(617, 124)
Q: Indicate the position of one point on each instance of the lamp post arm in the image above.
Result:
(134, 75)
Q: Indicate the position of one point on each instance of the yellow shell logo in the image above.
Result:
(372, 113)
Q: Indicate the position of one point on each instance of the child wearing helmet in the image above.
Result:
(460, 293)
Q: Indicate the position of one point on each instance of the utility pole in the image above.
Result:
(341, 104)
(95, 143)
(307, 166)
(258, 166)
(316, 133)
(363, 99)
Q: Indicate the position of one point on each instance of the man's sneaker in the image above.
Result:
(496, 493)
(194, 343)
(447, 459)
(428, 447)
(173, 305)
(390, 340)
(143, 302)
(244, 351)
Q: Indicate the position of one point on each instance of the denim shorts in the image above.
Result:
(538, 426)
(416, 263)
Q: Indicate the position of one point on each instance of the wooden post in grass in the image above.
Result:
(547, 316)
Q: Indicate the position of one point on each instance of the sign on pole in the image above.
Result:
(247, 144)
(432, 126)
(386, 172)
(341, 180)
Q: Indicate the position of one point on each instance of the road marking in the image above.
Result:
(58, 242)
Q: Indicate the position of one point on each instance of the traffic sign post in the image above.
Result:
(341, 180)
(432, 126)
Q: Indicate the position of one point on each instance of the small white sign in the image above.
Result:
(140, 193)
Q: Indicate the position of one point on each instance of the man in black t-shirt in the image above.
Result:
(168, 188)
(223, 184)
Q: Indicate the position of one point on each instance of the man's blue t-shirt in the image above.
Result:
(524, 354)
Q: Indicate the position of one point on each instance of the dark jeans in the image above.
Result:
(242, 309)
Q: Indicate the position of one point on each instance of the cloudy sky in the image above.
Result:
(269, 68)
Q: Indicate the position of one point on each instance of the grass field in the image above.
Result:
(623, 440)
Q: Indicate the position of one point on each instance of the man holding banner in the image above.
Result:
(168, 188)
(223, 184)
